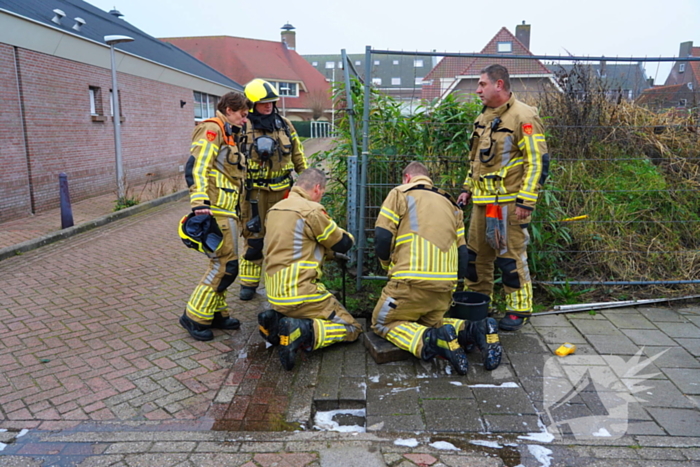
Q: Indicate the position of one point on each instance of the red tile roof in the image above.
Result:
(244, 59)
(662, 95)
(450, 67)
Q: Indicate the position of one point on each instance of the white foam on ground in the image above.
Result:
(411, 442)
(2, 446)
(324, 421)
(456, 383)
(488, 444)
(502, 385)
(374, 379)
(540, 453)
(543, 436)
(602, 432)
(444, 445)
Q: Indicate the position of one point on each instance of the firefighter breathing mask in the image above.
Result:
(265, 146)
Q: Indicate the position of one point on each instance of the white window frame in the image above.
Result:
(681, 68)
(206, 103)
(504, 47)
(280, 85)
(418, 63)
(377, 62)
(396, 81)
(419, 81)
(314, 63)
(358, 62)
(330, 65)
(395, 62)
(377, 81)
(92, 90)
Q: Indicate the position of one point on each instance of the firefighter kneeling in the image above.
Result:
(419, 239)
(299, 236)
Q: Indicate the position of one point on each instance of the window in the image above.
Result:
(395, 62)
(419, 81)
(683, 103)
(204, 105)
(95, 100)
(396, 81)
(690, 86)
(376, 62)
(417, 63)
(340, 65)
(377, 81)
(314, 63)
(330, 65)
(505, 47)
(287, 89)
(681, 68)
(111, 103)
(358, 63)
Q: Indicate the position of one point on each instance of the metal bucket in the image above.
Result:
(472, 306)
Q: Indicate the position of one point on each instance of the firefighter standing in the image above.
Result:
(509, 165)
(273, 150)
(215, 174)
(300, 234)
(419, 239)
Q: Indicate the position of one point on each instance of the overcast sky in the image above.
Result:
(612, 28)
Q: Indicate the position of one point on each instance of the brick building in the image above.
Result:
(55, 112)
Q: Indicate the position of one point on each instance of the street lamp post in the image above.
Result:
(116, 117)
(284, 90)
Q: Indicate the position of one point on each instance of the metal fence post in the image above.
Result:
(352, 160)
(363, 167)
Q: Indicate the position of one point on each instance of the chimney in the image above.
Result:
(522, 33)
(686, 49)
(289, 36)
(115, 12)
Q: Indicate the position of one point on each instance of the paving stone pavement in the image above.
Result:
(95, 370)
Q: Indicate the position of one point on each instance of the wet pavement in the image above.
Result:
(95, 370)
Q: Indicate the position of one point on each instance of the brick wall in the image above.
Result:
(62, 136)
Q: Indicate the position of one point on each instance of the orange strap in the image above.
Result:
(227, 139)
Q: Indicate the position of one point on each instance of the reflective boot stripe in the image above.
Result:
(250, 273)
(520, 301)
(408, 336)
(203, 303)
(456, 323)
(328, 333)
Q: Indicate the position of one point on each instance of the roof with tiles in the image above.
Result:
(243, 59)
(451, 67)
(99, 23)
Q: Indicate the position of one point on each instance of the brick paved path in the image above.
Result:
(89, 329)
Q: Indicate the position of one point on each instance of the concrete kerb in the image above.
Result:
(29, 245)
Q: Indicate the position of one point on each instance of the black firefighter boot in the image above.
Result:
(268, 325)
(294, 334)
(513, 321)
(221, 322)
(200, 332)
(247, 293)
(484, 334)
(442, 342)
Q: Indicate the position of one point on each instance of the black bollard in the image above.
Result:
(66, 210)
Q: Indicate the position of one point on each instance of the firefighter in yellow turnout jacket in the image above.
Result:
(215, 174)
(419, 239)
(509, 164)
(300, 235)
(274, 151)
